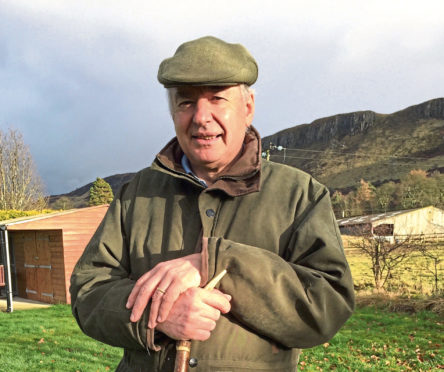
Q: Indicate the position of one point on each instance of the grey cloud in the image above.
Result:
(82, 87)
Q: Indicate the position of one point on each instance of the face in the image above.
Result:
(210, 124)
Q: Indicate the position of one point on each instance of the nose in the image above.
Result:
(202, 112)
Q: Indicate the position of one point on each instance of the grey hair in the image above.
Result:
(245, 90)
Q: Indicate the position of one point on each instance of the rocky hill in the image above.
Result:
(340, 150)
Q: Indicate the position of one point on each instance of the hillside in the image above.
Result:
(341, 149)
(80, 197)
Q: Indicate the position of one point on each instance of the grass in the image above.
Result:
(377, 340)
(50, 340)
(373, 339)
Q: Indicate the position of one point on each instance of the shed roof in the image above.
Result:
(57, 220)
(376, 217)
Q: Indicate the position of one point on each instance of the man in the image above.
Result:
(209, 203)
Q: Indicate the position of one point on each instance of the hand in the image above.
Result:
(193, 316)
(164, 284)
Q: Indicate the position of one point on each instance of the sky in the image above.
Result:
(78, 78)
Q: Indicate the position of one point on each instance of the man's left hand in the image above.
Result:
(163, 285)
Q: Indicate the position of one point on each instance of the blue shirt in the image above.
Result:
(187, 166)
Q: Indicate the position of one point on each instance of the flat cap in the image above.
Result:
(208, 61)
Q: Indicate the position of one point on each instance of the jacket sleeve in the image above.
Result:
(101, 284)
(299, 300)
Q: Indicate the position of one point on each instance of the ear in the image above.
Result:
(249, 109)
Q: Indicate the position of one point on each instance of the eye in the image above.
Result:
(217, 98)
(185, 103)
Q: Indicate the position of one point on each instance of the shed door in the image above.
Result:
(38, 266)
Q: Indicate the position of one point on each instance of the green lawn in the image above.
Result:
(50, 340)
(372, 340)
(378, 340)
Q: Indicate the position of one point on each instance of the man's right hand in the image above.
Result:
(163, 285)
(193, 316)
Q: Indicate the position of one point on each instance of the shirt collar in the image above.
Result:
(187, 167)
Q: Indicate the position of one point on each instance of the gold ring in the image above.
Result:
(160, 290)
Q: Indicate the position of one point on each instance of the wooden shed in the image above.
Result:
(44, 249)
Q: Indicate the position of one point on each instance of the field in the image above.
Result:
(372, 340)
(413, 277)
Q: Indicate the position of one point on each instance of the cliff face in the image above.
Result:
(341, 149)
(334, 128)
(323, 130)
(433, 109)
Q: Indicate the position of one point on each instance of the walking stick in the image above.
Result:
(183, 348)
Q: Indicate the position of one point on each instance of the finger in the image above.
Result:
(136, 289)
(155, 304)
(200, 330)
(209, 312)
(157, 279)
(145, 294)
(227, 296)
(163, 289)
(205, 324)
(200, 335)
(217, 300)
(175, 289)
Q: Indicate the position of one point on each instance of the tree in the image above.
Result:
(418, 190)
(338, 203)
(385, 196)
(385, 252)
(100, 192)
(20, 185)
(430, 250)
(63, 203)
(439, 182)
(365, 194)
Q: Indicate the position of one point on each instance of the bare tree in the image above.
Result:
(20, 185)
(430, 250)
(385, 252)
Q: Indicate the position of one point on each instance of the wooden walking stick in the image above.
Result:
(183, 348)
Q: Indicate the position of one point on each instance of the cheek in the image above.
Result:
(180, 123)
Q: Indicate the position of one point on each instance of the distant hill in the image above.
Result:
(340, 150)
(80, 197)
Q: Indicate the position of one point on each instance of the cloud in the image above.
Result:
(78, 78)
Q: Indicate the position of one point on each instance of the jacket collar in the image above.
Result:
(243, 177)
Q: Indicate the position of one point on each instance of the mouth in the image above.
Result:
(212, 137)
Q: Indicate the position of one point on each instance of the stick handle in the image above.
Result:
(183, 348)
(213, 282)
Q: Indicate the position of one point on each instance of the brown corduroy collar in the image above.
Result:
(243, 177)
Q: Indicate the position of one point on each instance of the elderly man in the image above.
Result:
(209, 203)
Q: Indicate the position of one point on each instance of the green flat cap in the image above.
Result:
(208, 61)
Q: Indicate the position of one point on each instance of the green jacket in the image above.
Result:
(270, 225)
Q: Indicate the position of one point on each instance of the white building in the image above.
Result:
(426, 221)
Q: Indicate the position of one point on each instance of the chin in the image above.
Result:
(206, 158)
